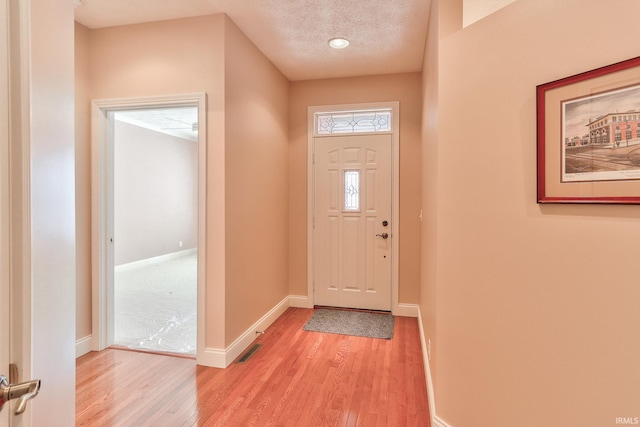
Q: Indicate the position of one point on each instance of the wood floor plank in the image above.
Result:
(297, 378)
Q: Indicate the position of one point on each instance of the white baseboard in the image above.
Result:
(83, 345)
(299, 301)
(435, 421)
(218, 358)
(212, 358)
(155, 259)
(407, 310)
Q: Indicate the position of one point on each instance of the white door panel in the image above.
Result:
(37, 231)
(352, 199)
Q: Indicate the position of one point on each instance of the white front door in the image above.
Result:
(352, 235)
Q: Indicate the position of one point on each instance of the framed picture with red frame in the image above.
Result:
(588, 136)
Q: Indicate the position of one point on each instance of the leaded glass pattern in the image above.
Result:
(353, 122)
(351, 190)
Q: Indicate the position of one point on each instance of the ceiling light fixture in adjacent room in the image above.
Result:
(338, 43)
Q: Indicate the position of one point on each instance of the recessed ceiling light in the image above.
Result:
(338, 43)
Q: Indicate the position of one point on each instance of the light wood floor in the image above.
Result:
(296, 378)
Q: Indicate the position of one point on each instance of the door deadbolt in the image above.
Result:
(385, 223)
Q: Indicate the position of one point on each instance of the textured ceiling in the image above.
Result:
(386, 36)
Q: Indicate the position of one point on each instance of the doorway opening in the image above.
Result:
(155, 208)
(148, 223)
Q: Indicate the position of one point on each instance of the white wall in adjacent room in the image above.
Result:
(155, 193)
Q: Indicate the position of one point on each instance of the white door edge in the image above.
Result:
(395, 189)
(102, 219)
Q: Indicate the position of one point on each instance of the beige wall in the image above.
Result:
(166, 58)
(398, 87)
(174, 57)
(257, 137)
(247, 125)
(429, 185)
(537, 306)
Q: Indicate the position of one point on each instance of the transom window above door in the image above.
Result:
(346, 122)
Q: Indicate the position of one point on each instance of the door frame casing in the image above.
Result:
(102, 218)
(5, 188)
(394, 106)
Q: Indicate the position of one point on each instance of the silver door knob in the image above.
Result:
(383, 235)
(23, 391)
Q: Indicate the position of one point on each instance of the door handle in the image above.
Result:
(24, 392)
(383, 235)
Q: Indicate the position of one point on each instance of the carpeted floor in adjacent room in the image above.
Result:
(155, 305)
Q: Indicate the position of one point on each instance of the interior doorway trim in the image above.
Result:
(395, 188)
(102, 125)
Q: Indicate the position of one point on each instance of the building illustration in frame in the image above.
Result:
(601, 136)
